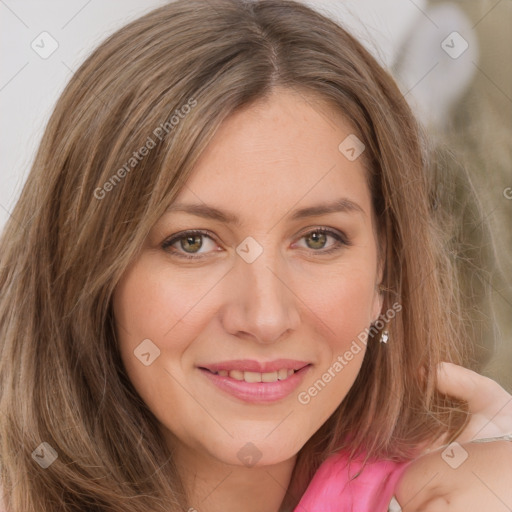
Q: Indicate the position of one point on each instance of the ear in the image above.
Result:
(378, 300)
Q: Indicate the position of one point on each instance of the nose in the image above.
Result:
(260, 304)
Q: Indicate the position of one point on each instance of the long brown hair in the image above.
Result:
(89, 203)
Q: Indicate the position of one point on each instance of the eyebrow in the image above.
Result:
(343, 205)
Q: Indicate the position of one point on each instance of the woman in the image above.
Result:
(229, 268)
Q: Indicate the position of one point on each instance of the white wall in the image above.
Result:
(31, 84)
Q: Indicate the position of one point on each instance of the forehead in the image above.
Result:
(277, 153)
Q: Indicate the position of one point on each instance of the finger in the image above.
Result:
(479, 391)
(489, 404)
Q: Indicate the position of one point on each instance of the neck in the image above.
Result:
(214, 486)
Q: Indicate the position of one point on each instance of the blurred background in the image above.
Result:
(452, 61)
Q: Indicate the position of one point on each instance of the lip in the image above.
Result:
(249, 365)
(257, 392)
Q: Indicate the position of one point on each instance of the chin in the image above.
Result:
(258, 453)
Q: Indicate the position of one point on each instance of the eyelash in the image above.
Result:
(341, 240)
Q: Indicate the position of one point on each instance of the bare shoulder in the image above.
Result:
(459, 473)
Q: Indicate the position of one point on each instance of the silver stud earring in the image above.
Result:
(384, 337)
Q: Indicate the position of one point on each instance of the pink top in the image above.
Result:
(332, 490)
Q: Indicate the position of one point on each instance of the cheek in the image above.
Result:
(345, 301)
(341, 310)
(350, 303)
(150, 302)
(149, 305)
(146, 307)
(174, 308)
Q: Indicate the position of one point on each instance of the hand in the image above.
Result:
(471, 477)
(489, 404)
(430, 481)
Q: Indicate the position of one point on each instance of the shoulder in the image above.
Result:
(454, 471)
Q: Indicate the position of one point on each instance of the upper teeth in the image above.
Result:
(257, 376)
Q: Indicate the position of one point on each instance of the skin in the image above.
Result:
(291, 302)
(489, 404)
(294, 302)
(480, 482)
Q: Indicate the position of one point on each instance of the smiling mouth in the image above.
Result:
(256, 382)
(251, 377)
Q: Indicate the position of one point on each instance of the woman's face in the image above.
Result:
(277, 289)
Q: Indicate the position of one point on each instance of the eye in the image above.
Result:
(317, 240)
(190, 242)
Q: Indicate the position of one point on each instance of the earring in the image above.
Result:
(384, 337)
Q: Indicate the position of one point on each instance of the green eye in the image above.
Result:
(191, 243)
(318, 239)
(188, 244)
